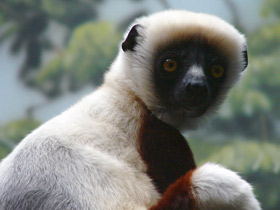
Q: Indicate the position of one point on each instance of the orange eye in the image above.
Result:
(170, 65)
(217, 71)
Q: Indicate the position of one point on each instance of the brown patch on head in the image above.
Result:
(221, 40)
(178, 196)
(164, 150)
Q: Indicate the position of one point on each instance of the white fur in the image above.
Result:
(216, 187)
(86, 157)
(196, 71)
(86, 154)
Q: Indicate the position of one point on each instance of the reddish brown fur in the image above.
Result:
(165, 151)
(178, 196)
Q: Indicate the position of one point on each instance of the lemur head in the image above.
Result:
(181, 64)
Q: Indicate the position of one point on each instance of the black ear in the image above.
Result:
(245, 58)
(130, 41)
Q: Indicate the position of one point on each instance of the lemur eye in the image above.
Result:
(217, 71)
(170, 65)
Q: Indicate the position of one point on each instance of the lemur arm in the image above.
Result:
(182, 184)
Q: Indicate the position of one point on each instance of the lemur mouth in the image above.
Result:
(192, 106)
(188, 110)
(193, 113)
(198, 105)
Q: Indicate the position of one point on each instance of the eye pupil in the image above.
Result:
(217, 71)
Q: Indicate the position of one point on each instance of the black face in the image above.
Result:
(188, 76)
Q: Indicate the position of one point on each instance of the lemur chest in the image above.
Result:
(165, 152)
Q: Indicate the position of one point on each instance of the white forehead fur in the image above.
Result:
(196, 71)
(160, 29)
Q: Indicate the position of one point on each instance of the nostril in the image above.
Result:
(196, 88)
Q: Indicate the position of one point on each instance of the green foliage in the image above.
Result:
(49, 79)
(17, 130)
(266, 187)
(91, 50)
(238, 154)
(247, 102)
(271, 6)
(28, 20)
(249, 156)
(267, 73)
(1, 19)
(13, 132)
(71, 13)
(266, 40)
(266, 70)
(4, 149)
(258, 162)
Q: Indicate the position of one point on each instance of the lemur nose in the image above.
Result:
(196, 88)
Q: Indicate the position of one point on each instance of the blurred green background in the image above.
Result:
(53, 52)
